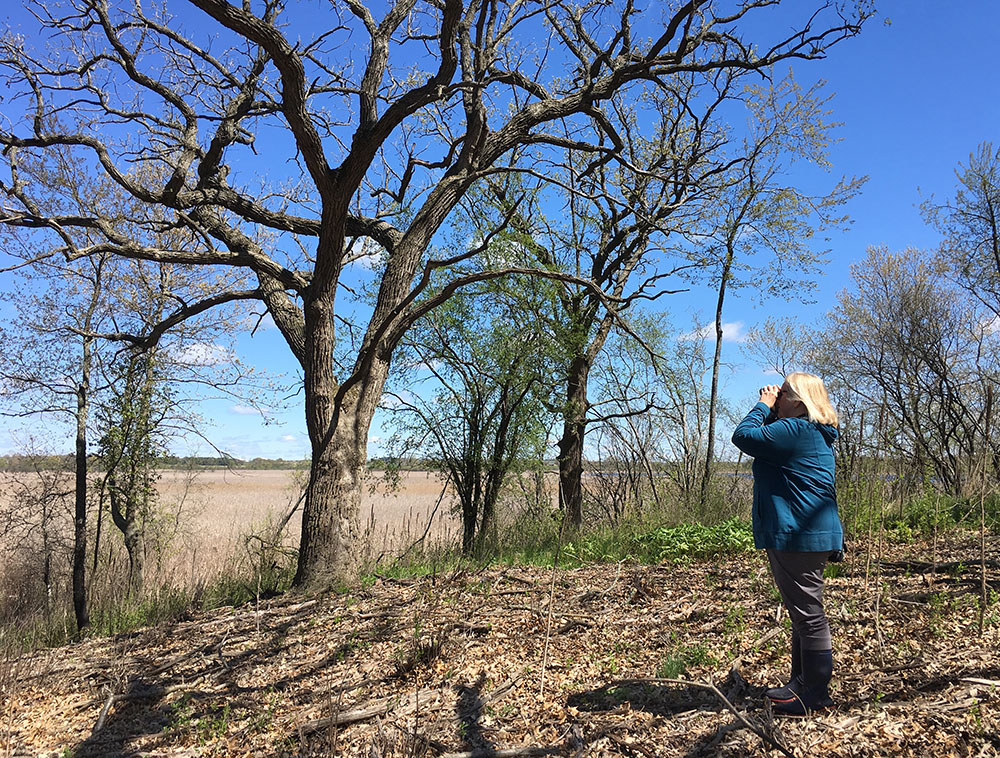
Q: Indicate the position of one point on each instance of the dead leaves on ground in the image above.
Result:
(521, 661)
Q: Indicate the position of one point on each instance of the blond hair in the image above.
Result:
(809, 390)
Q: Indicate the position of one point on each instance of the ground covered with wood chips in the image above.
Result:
(606, 660)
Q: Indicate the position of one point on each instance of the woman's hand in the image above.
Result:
(769, 394)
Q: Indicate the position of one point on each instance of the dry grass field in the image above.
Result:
(223, 503)
(204, 519)
(222, 507)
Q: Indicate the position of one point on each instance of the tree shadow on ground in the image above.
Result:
(139, 710)
(640, 695)
(670, 700)
(469, 710)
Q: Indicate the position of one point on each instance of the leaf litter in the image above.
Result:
(605, 660)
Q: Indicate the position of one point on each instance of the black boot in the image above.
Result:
(811, 693)
(785, 692)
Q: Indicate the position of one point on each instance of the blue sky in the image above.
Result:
(915, 96)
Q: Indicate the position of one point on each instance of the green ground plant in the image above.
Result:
(681, 659)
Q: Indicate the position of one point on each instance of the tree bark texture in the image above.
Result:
(571, 442)
(80, 497)
(329, 550)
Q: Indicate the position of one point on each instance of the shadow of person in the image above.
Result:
(139, 710)
(156, 699)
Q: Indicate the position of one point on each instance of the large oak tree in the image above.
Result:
(294, 140)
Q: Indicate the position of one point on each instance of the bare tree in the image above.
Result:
(653, 405)
(758, 211)
(71, 311)
(385, 138)
(970, 223)
(913, 355)
(37, 534)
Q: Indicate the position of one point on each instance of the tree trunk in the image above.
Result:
(716, 359)
(132, 537)
(571, 443)
(80, 515)
(328, 552)
(466, 476)
(46, 557)
(330, 523)
(80, 608)
(125, 519)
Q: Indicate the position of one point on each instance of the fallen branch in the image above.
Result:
(379, 708)
(500, 691)
(768, 739)
(154, 691)
(104, 713)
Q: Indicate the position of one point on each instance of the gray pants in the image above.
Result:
(799, 577)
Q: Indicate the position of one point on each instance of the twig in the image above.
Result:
(427, 529)
(618, 575)
(732, 709)
(758, 643)
(288, 516)
(548, 624)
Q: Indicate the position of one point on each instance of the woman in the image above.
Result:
(790, 434)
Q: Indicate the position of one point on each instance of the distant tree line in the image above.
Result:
(26, 463)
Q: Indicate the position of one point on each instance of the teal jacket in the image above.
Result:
(794, 500)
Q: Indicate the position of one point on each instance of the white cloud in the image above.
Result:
(732, 331)
(366, 254)
(289, 438)
(203, 354)
(245, 410)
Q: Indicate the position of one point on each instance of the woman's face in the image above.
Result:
(786, 406)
